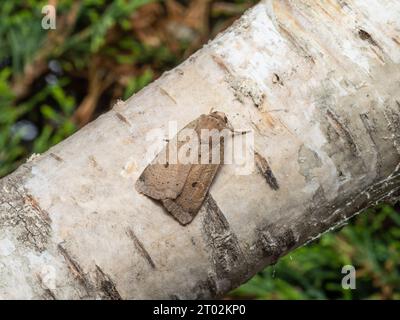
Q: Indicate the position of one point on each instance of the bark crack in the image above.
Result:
(122, 118)
(140, 248)
(107, 286)
(19, 209)
(265, 169)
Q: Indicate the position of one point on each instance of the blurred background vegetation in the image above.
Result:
(52, 82)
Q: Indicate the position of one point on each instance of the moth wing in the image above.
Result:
(164, 178)
(182, 188)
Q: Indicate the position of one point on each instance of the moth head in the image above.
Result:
(220, 116)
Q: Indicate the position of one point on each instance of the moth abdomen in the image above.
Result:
(181, 186)
(177, 212)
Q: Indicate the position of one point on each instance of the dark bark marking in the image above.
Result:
(122, 118)
(56, 157)
(242, 87)
(319, 199)
(23, 212)
(50, 294)
(393, 117)
(75, 268)
(276, 239)
(212, 284)
(382, 191)
(106, 285)
(140, 248)
(341, 146)
(364, 35)
(308, 159)
(220, 62)
(207, 288)
(296, 43)
(276, 79)
(342, 131)
(368, 126)
(266, 171)
(318, 210)
(226, 255)
(94, 163)
(385, 190)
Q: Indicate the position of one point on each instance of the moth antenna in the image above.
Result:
(236, 133)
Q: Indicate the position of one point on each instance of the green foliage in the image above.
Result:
(371, 243)
(10, 150)
(137, 83)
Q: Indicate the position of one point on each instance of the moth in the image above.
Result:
(181, 185)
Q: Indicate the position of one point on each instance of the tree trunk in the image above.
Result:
(318, 82)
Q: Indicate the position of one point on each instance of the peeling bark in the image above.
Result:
(318, 84)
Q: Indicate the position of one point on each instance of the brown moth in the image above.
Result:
(181, 186)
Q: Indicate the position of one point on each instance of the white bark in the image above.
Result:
(317, 81)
